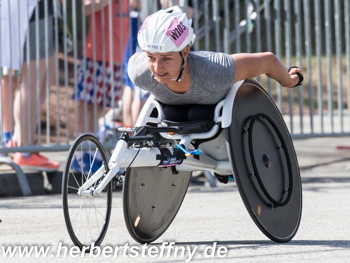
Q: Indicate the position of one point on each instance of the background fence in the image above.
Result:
(311, 34)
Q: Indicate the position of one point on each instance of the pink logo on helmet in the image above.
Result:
(144, 25)
(177, 32)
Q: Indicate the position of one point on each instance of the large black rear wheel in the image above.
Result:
(264, 162)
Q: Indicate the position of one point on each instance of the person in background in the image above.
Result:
(94, 85)
(189, 10)
(14, 24)
(9, 84)
(94, 80)
(25, 126)
(133, 97)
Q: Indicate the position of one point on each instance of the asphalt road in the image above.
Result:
(212, 225)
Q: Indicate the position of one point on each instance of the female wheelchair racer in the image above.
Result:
(241, 133)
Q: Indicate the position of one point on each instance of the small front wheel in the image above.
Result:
(87, 216)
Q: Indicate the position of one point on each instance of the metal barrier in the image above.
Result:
(311, 34)
(314, 35)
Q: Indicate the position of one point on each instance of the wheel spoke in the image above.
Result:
(74, 188)
(96, 209)
(73, 175)
(75, 199)
(101, 197)
(78, 214)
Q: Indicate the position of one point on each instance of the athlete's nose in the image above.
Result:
(157, 66)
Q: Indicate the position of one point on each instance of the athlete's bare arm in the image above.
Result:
(251, 65)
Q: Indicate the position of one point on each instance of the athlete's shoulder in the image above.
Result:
(211, 56)
(137, 58)
(139, 71)
(213, 70)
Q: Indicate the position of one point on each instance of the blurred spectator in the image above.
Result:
(189, 11)
(25, 127)
(11, 57)
(94, 76)
(9, 83)
(133, 96)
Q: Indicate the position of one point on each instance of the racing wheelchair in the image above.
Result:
(247, 139)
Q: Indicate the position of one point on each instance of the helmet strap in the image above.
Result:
(182, 68)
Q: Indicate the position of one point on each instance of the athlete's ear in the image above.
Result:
(185, 52)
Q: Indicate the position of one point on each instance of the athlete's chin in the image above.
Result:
(162, 80)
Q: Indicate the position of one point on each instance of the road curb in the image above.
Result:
(40, 183)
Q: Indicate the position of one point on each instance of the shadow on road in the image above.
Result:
(260, 243)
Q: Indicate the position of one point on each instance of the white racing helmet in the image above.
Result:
(165, 31)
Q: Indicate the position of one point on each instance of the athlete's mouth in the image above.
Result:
(161, 75)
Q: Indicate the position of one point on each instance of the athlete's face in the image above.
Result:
(165, 66)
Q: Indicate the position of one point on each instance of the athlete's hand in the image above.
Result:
(296, 75)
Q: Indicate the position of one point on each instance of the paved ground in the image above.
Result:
(207, 215)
